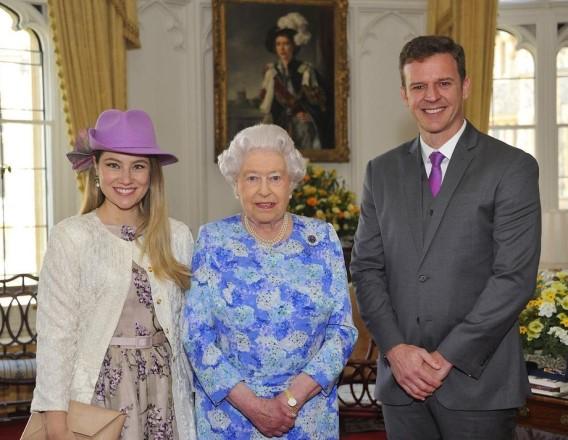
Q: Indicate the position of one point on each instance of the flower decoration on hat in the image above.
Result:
(81, 157)
(298, 23)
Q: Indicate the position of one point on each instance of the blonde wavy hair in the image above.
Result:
(155, 224)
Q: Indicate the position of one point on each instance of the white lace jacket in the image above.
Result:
(84, 282)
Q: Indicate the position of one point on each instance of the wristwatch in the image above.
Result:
(292, 402)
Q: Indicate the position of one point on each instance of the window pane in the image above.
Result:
(523, 138)
(510, 62)
(512, 114)
(23, 215)
(22, 245)
(20, 72)
(513, 102)
(562, 86)
(563, 167)
(21, 206)
(562, 62)
(23, 145)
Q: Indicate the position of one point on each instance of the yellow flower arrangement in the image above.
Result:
(322, 195)
(544, 321)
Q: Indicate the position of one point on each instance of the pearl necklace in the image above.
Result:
(263, 241)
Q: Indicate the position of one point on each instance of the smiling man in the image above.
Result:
(445, 258)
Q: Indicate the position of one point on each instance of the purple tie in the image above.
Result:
(435, 179)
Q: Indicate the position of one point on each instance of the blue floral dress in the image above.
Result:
(263, 315)
(138, 382)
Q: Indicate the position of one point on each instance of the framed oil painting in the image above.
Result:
(283, 62)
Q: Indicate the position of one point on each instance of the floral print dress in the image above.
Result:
(138, 381)
(262, 315)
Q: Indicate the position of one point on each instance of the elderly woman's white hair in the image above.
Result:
(261, 137)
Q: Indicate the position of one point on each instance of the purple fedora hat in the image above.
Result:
(128, 132)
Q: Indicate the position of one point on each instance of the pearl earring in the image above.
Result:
(97, 182)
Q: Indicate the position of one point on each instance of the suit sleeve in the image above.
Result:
(516, 250)
(368, 273)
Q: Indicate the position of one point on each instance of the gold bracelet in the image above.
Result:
(292, 402)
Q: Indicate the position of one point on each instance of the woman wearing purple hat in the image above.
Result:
(110, 291)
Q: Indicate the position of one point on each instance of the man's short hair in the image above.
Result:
(420, 48)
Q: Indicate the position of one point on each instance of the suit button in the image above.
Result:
(159, 301)
(418, 320)
(422, 278)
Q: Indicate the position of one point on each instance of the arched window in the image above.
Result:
(512, 117)
(562, 121)
(23, 192)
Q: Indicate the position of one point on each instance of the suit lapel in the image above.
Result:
(413, 191)
(461, 158)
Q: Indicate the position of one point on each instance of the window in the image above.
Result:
(512, 117)
(23, 200)
(562, 121)
(531, 51)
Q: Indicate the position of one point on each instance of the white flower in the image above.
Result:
(268, 299)
(560, 333)
(243, 342)
(294, 341)
(218, 419)
(211, 355)
(547, 309)
(238, 249)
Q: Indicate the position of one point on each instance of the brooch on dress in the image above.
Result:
(312, 238)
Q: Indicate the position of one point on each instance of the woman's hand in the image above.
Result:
(272, 417)
(56, 426)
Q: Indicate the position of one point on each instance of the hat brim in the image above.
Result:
(147, 151)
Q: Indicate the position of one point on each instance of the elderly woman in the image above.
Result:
(268, 323)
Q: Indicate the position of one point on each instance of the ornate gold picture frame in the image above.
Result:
(283, 62)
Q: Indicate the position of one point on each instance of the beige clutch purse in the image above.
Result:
(86, 422)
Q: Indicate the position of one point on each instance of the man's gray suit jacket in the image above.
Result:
(458, 284)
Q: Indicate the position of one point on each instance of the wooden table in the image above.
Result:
(546, 413)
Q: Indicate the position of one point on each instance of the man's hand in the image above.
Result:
(407, 363)
(444, 369)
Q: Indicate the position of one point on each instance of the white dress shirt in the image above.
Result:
(447, 150)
